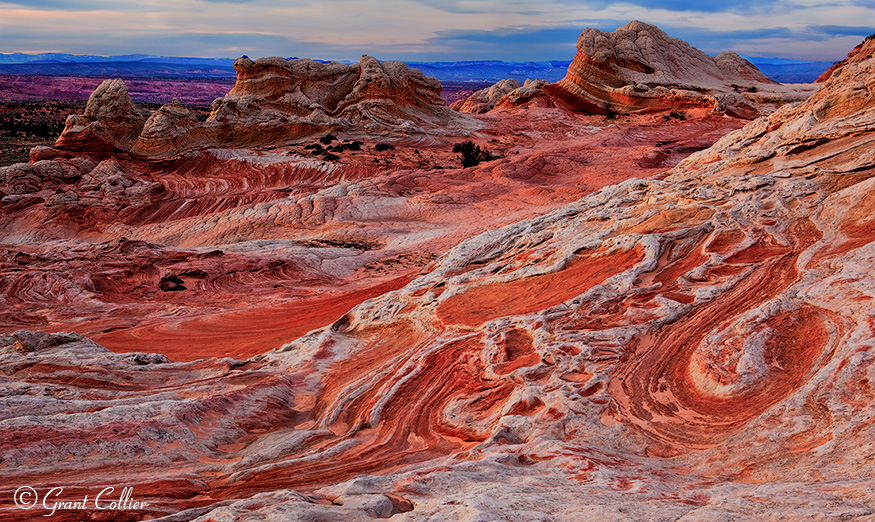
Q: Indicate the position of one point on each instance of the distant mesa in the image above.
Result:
(638, 68)
(274, 100)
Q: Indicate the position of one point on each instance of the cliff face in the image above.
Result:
(639, 68)
(273, 101)
(697, 346)
(862, 52)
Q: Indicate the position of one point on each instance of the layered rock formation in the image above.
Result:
(863, 51)
(484, 100)
(640, 68)
(506, 93)
(273, 101)
(694, 347)
(260, 238)
(111, 121)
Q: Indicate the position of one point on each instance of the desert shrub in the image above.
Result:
(328, 138)
(331, 157)
(610, 113)
(678, 115)
(384, 146)
(471, 154)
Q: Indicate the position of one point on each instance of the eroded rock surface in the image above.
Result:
(692, 347)
(273, 101)
(111, 121)
(640, 68)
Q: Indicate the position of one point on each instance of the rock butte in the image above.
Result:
(638, 69)
(274, 100)
(692, 346)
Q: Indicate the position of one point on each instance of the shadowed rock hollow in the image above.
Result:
(695, 346)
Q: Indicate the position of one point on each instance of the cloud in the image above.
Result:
(63, 5)
(840, 30)
(515, 30)
(707, 6)
(493, 7)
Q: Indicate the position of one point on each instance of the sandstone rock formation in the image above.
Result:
(863, 51)
(283, 239)
(640, 68)
(111, 121)
(484, 100)
(506, 93)
(693, 347)
(273, 101)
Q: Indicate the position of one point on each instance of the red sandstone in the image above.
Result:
(597, 322)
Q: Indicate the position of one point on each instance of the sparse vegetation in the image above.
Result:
(471, 154)
(610, 113)
(24, 125)
(676, 114)
(383, 146)
(328, 138)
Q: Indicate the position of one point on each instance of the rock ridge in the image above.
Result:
(273, 101)
(639, 68)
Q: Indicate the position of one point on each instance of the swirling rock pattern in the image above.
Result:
(187, 255)
(696, 346)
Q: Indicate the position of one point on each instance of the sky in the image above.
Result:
(423, 30)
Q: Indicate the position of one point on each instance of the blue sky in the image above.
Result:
(423, 30)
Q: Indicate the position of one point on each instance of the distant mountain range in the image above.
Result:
(148, 66)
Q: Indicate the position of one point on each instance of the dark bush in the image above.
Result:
(610, 113)
(331, 157)
(384, 146)
(328, 138)
(471, 154)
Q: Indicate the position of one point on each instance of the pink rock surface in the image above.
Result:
(696, 345)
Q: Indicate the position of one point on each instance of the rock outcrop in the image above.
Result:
(273, 101)
(639, 68)
(506, 93)
(111, 121)
(863, 51)
(484, 100)
(698, 346)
